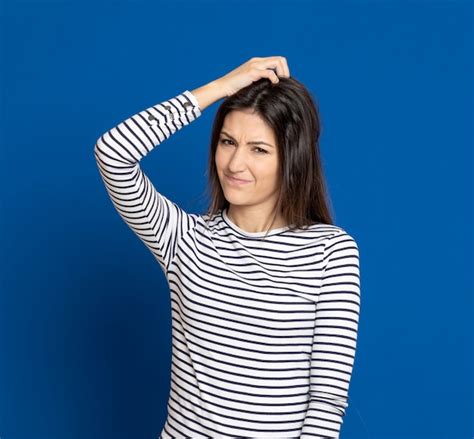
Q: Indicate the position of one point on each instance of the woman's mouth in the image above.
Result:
(236, 181)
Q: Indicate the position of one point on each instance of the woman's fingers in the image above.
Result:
(271, 67)
(286, 69)
(277, 62)
(270, 74)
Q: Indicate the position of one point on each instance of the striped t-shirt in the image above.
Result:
(264, 328)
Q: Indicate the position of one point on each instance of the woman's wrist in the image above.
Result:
(209, 93)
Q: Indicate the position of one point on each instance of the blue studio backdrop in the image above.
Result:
(85, 321)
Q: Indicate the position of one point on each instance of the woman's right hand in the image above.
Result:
(253, 70)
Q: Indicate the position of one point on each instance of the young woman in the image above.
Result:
(265, 290)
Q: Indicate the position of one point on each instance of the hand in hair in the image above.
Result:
(255, 68)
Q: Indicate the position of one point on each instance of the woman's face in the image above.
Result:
(240, 154)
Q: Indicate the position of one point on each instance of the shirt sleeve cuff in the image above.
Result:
(192, 98)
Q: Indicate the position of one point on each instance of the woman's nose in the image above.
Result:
(237, 161)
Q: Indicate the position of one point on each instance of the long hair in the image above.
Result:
(288, 108)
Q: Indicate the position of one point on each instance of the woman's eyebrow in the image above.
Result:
(255, 142)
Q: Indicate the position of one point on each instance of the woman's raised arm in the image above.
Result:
(157, 221)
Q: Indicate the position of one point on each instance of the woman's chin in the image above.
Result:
(233, 198)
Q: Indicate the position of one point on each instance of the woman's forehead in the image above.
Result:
(239, 123)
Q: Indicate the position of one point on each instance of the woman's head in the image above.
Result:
(268, 134)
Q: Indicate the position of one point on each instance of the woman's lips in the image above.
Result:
(236, 181)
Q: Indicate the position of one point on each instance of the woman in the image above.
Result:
(265, 290)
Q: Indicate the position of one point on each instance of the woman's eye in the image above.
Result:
(259, 150)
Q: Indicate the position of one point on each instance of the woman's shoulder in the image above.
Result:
(327, 234)
(208, 220)
(324, 229)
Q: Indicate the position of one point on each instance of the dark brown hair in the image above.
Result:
(288, 108)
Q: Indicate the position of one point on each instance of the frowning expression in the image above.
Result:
(247, 159)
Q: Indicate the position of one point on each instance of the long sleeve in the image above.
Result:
(157, 221)
(334, 339)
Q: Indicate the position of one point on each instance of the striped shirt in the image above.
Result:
(264, 329)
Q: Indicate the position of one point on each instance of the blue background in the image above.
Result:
(85, 323)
